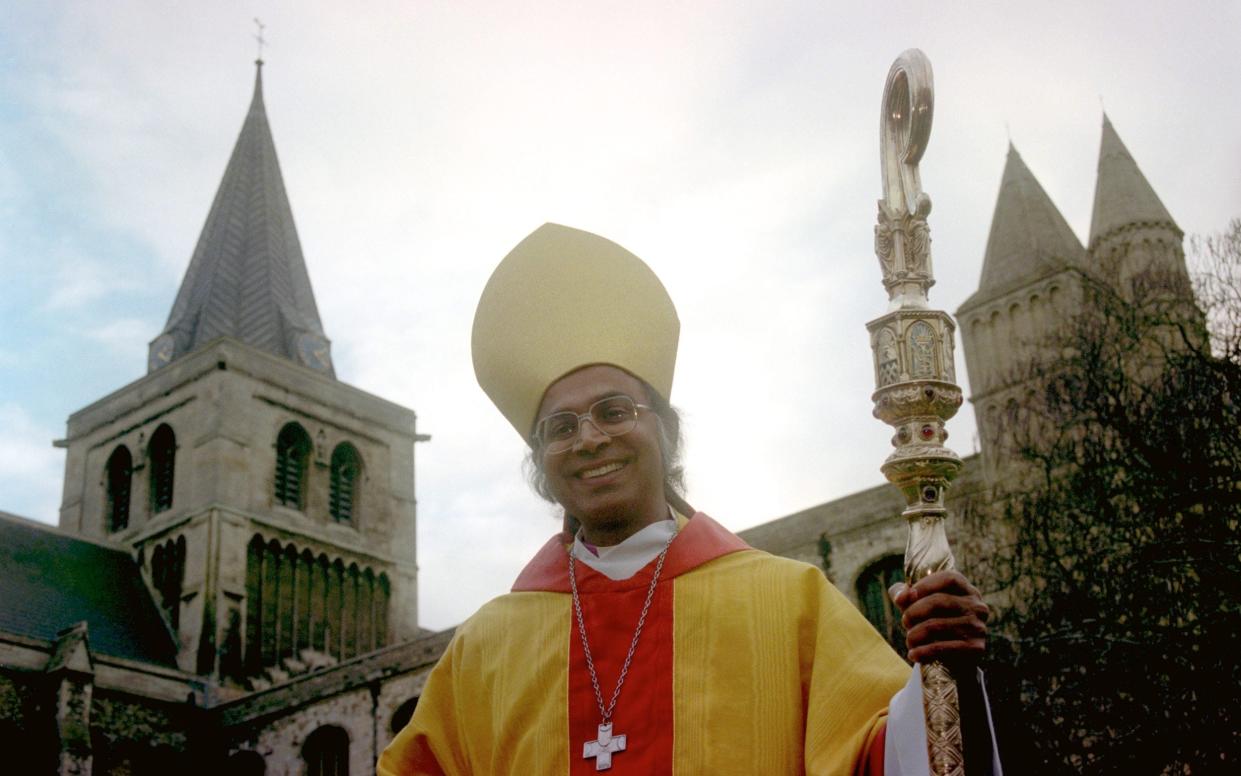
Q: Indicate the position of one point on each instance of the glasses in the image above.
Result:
(613, 416)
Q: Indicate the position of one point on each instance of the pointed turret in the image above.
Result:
(1123, 197)
(247, 278)
(1029, 237)
(1133, 238)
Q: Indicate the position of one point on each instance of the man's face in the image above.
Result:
(612, 485)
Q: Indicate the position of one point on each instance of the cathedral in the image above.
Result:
(233, 582)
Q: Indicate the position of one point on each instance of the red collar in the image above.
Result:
(701, 540)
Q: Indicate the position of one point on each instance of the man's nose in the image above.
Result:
(589, 437)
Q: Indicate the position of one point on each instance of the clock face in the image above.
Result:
(161, 352)
(314, 352)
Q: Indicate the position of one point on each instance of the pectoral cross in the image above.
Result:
(603, 747)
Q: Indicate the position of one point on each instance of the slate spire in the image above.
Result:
(247, 278)
(1122, 194)
(1029, 237)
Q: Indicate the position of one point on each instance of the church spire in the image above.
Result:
(247, 278)
(1123, 197)
(1029, 237)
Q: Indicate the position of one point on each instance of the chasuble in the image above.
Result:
(747, 664)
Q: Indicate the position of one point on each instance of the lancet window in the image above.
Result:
(872, 591)
(167, 575)
(292, 457)
(163, 452)
(326, 752)
(346, 468)
(298, 602)
(118, 474)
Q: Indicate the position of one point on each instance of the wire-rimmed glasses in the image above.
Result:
(613, 416)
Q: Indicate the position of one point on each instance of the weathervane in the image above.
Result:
(258, 36)
(915, 388)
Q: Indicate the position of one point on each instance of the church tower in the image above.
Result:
(1133, 239)
(1028, 283)
(1035, 277)
(270, 506)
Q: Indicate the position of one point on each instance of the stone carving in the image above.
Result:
(889, 363)
(922, 351)
(903, 245)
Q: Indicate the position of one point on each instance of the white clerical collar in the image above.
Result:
(622, 561)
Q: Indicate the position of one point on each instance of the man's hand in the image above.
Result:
(945, 618)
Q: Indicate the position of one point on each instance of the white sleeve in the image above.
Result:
(904, 746)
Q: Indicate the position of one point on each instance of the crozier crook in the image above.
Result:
(902, 240)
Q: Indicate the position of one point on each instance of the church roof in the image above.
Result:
(247, 278)
(52, 580)
(1122, 194)
(1029, 237)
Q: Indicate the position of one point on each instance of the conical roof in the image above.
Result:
(1122, 194)
(1029, 237)
(247, 278)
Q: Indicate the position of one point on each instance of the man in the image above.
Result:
(647, 639)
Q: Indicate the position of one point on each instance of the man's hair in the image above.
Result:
(668, 420)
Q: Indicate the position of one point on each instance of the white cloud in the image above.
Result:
(78, 280)
(124, 335)
(30, 468)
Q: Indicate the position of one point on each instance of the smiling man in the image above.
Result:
(646, 638)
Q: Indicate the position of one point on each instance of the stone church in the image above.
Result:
(233, 581)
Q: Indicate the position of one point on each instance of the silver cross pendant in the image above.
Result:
(603, 747)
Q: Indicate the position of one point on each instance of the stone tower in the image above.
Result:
(1132, 237)
(1033, 280)
(1028, 282)
(270, 506)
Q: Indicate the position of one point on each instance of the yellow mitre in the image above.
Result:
(561, 300)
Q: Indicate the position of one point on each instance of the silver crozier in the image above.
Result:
(915, 383)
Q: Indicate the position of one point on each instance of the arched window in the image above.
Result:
(255, 552)
(346, 468)
(119, 472)
(163, 453)
(872, 593)
(246, 763)
(326, 752)
(401, 717)
(292, 454)
(383, 592)
(167, 574)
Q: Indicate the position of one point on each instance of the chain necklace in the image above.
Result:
(606, 744)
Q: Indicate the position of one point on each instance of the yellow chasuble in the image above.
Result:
(748, 664)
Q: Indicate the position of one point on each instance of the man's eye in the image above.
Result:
(560, 428)
(614, 414)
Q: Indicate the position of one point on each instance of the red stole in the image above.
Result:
(644, 711)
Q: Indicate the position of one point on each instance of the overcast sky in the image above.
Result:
(732, 145)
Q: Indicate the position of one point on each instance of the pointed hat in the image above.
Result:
(561, 300)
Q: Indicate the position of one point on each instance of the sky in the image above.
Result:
(734, 146)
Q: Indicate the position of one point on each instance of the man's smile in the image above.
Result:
(601, 471)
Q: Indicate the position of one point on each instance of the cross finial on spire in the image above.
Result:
(259, 37)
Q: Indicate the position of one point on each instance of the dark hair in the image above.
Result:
(668, 419)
